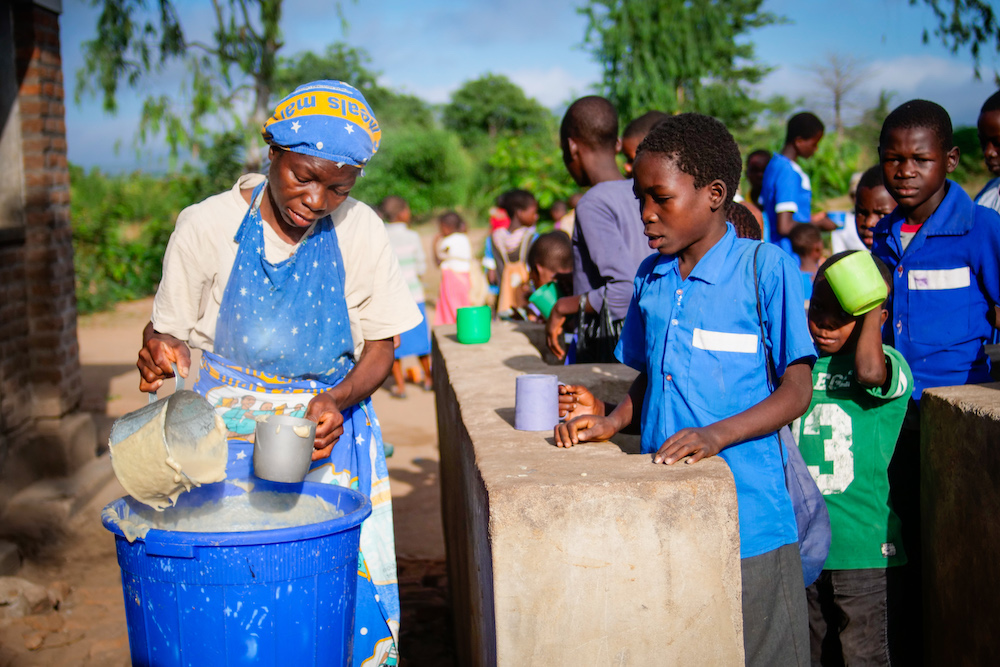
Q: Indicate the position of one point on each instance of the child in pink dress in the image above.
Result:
(453, 253)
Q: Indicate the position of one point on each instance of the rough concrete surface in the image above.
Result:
(585, 556)
(960, 502)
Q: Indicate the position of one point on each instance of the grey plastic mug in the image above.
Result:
(283, 448)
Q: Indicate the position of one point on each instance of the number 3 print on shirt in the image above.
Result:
(836, 448)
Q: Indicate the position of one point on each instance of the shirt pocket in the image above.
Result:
(939, 302)
(726, 372)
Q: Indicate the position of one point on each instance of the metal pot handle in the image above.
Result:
(178, 384)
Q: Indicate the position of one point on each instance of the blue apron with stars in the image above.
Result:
(283, 336)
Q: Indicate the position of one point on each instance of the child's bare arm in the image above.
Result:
(789, 401)
(869, 359)
(589, 428)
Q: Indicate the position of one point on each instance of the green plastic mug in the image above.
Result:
(473, 324)
(857, 283)
(544, 298)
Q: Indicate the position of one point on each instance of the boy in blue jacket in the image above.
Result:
(693, 333)
(944, 254)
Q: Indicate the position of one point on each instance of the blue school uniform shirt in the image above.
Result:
(698, 340)
(785, 189)
(943, 285)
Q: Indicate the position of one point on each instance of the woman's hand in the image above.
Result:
(699, 443)
(323, 410)
(588, 428)
(576, 400)
(159, 351)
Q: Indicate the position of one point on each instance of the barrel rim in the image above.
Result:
(350, 520)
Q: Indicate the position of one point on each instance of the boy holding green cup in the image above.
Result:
(847, 438)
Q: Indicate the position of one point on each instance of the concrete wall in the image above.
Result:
(586, 556)
(40, 384)
(960, 503)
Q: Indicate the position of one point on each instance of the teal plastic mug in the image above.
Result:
(544, 298)
(857, 283)
(473, 324)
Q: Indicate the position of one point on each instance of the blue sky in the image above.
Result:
(429, 48)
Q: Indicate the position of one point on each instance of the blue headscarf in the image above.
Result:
(326, 119)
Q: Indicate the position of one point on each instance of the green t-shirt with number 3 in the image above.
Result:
(847, 438)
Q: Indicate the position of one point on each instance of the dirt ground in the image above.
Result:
(88, 628)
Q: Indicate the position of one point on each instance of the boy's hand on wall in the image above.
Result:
(553, 333)
(698, 443)
(576, 400)
(588, 428)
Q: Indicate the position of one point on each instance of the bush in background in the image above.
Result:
(121, 225)
(427, 167)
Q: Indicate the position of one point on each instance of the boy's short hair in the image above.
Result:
(554, 251)
(699, 145)
(992, 103)
(883, 270)
(920, 114)
(759, 153)
(591, 120)
(513, 201)
(641, 126)
(745, 224)
(872, 178)
(391, 207)
(803, 125)
(804, 238)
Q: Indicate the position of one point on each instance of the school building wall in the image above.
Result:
(590, 555)
(41, 434)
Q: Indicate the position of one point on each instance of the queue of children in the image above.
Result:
(700, 335)
(701, 307)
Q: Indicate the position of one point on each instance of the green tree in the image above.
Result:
(428, 168)
(530, 162)
(340, 62)
(229, 78)
(353, 65)
(490, 105)
(677, 55)
(965, 24)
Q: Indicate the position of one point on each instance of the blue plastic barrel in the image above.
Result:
(266, 597)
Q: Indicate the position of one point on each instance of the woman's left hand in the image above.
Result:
(323, 410)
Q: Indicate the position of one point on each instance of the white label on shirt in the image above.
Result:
(938, 279)
(719, 341)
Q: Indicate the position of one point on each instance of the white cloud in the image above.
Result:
(948, 82)
(553, 86)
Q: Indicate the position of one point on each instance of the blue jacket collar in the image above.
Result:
(954, 216)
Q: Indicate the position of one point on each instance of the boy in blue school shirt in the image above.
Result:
(944, 253)
(693, 333)
(786, 191)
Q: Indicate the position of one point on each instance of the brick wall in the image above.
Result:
(52, 351)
